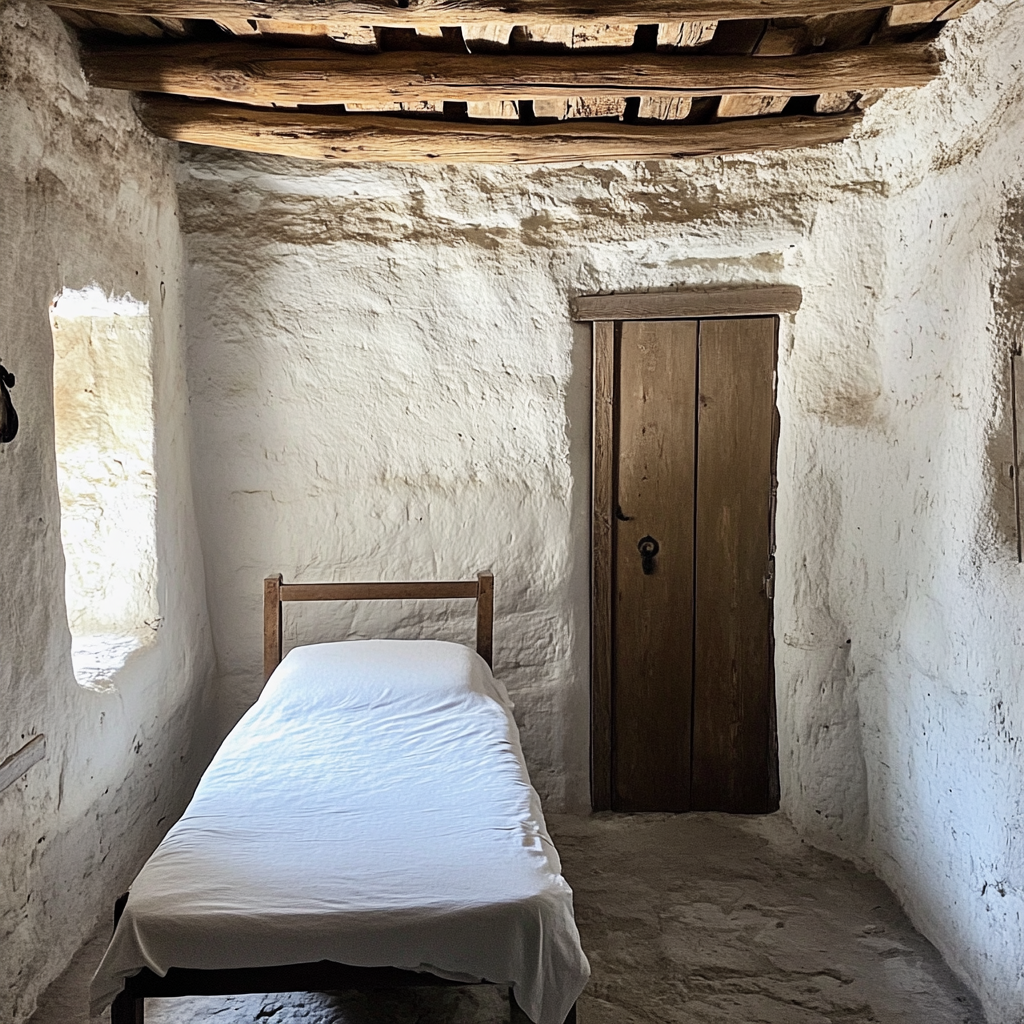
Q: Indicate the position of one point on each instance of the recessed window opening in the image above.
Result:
(103, 419)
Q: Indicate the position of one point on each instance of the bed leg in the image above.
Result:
(128, 1009)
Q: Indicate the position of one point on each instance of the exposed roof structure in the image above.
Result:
(530, 81)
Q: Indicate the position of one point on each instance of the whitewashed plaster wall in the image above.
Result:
(386, 384)
(86, 197)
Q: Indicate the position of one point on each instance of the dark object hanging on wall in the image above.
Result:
(8, 417)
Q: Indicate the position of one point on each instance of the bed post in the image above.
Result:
(271, 624)
(485, 616)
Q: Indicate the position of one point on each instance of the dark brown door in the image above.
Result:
(692, 714)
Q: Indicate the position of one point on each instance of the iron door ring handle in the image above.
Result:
(648, 548)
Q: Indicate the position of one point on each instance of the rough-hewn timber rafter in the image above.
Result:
(362, 138)
(244, 73)
(462, 12)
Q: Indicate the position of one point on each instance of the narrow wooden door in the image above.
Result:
(692, 463)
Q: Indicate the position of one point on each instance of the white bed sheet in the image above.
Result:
(372, 808)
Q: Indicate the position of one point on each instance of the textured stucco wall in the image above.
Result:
(85, 196)
(386, 384)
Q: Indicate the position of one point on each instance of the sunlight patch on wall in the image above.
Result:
(103, 418)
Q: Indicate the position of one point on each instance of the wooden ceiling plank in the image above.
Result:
(957, 9)
(403, 140)
(677, 35)
(739, 105)
(77, 19)
(664, 108)
(240, 26)
(499, 110)
(916, 13)
(674, 36)
(834, 102)
(421, 13)
(578, 37)
(559, 36)
(596, 36)
(596, 106)
(842, 31)
(603, 35)
(775, 42)
(545, 106)
(548, 35)
(130, 25)
(174, 27)
(487, 38)
(359, 37)
(243, 73)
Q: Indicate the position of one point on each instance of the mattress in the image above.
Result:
(372, 808)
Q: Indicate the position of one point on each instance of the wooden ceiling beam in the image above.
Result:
(365, 138)
(262, 76)
(419, 13)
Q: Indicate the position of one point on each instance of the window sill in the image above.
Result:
(98, 658)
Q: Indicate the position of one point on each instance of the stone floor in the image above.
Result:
(695, 919)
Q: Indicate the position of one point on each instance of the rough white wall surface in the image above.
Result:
(386, 384)
(85, 197)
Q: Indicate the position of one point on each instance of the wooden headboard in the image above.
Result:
(275, 592)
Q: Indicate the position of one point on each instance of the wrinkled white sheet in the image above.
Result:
(372, 808)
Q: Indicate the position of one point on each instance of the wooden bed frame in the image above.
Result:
(324, 976)
(276, 592)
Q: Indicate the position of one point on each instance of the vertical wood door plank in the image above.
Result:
(653, 614)
(601, 568)
(733, 672)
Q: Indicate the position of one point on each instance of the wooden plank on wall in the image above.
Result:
(653, 611)
(245, 73)
(460, 12)
(753, 300)
(601, 569)
(12, 768)
(361, 138)
(733, 675)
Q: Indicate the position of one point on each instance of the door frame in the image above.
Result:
(603, 312)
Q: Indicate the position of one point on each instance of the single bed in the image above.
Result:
(369, 823)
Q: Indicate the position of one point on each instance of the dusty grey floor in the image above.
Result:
(695, 919)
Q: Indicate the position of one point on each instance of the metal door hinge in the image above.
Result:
(769, 580)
